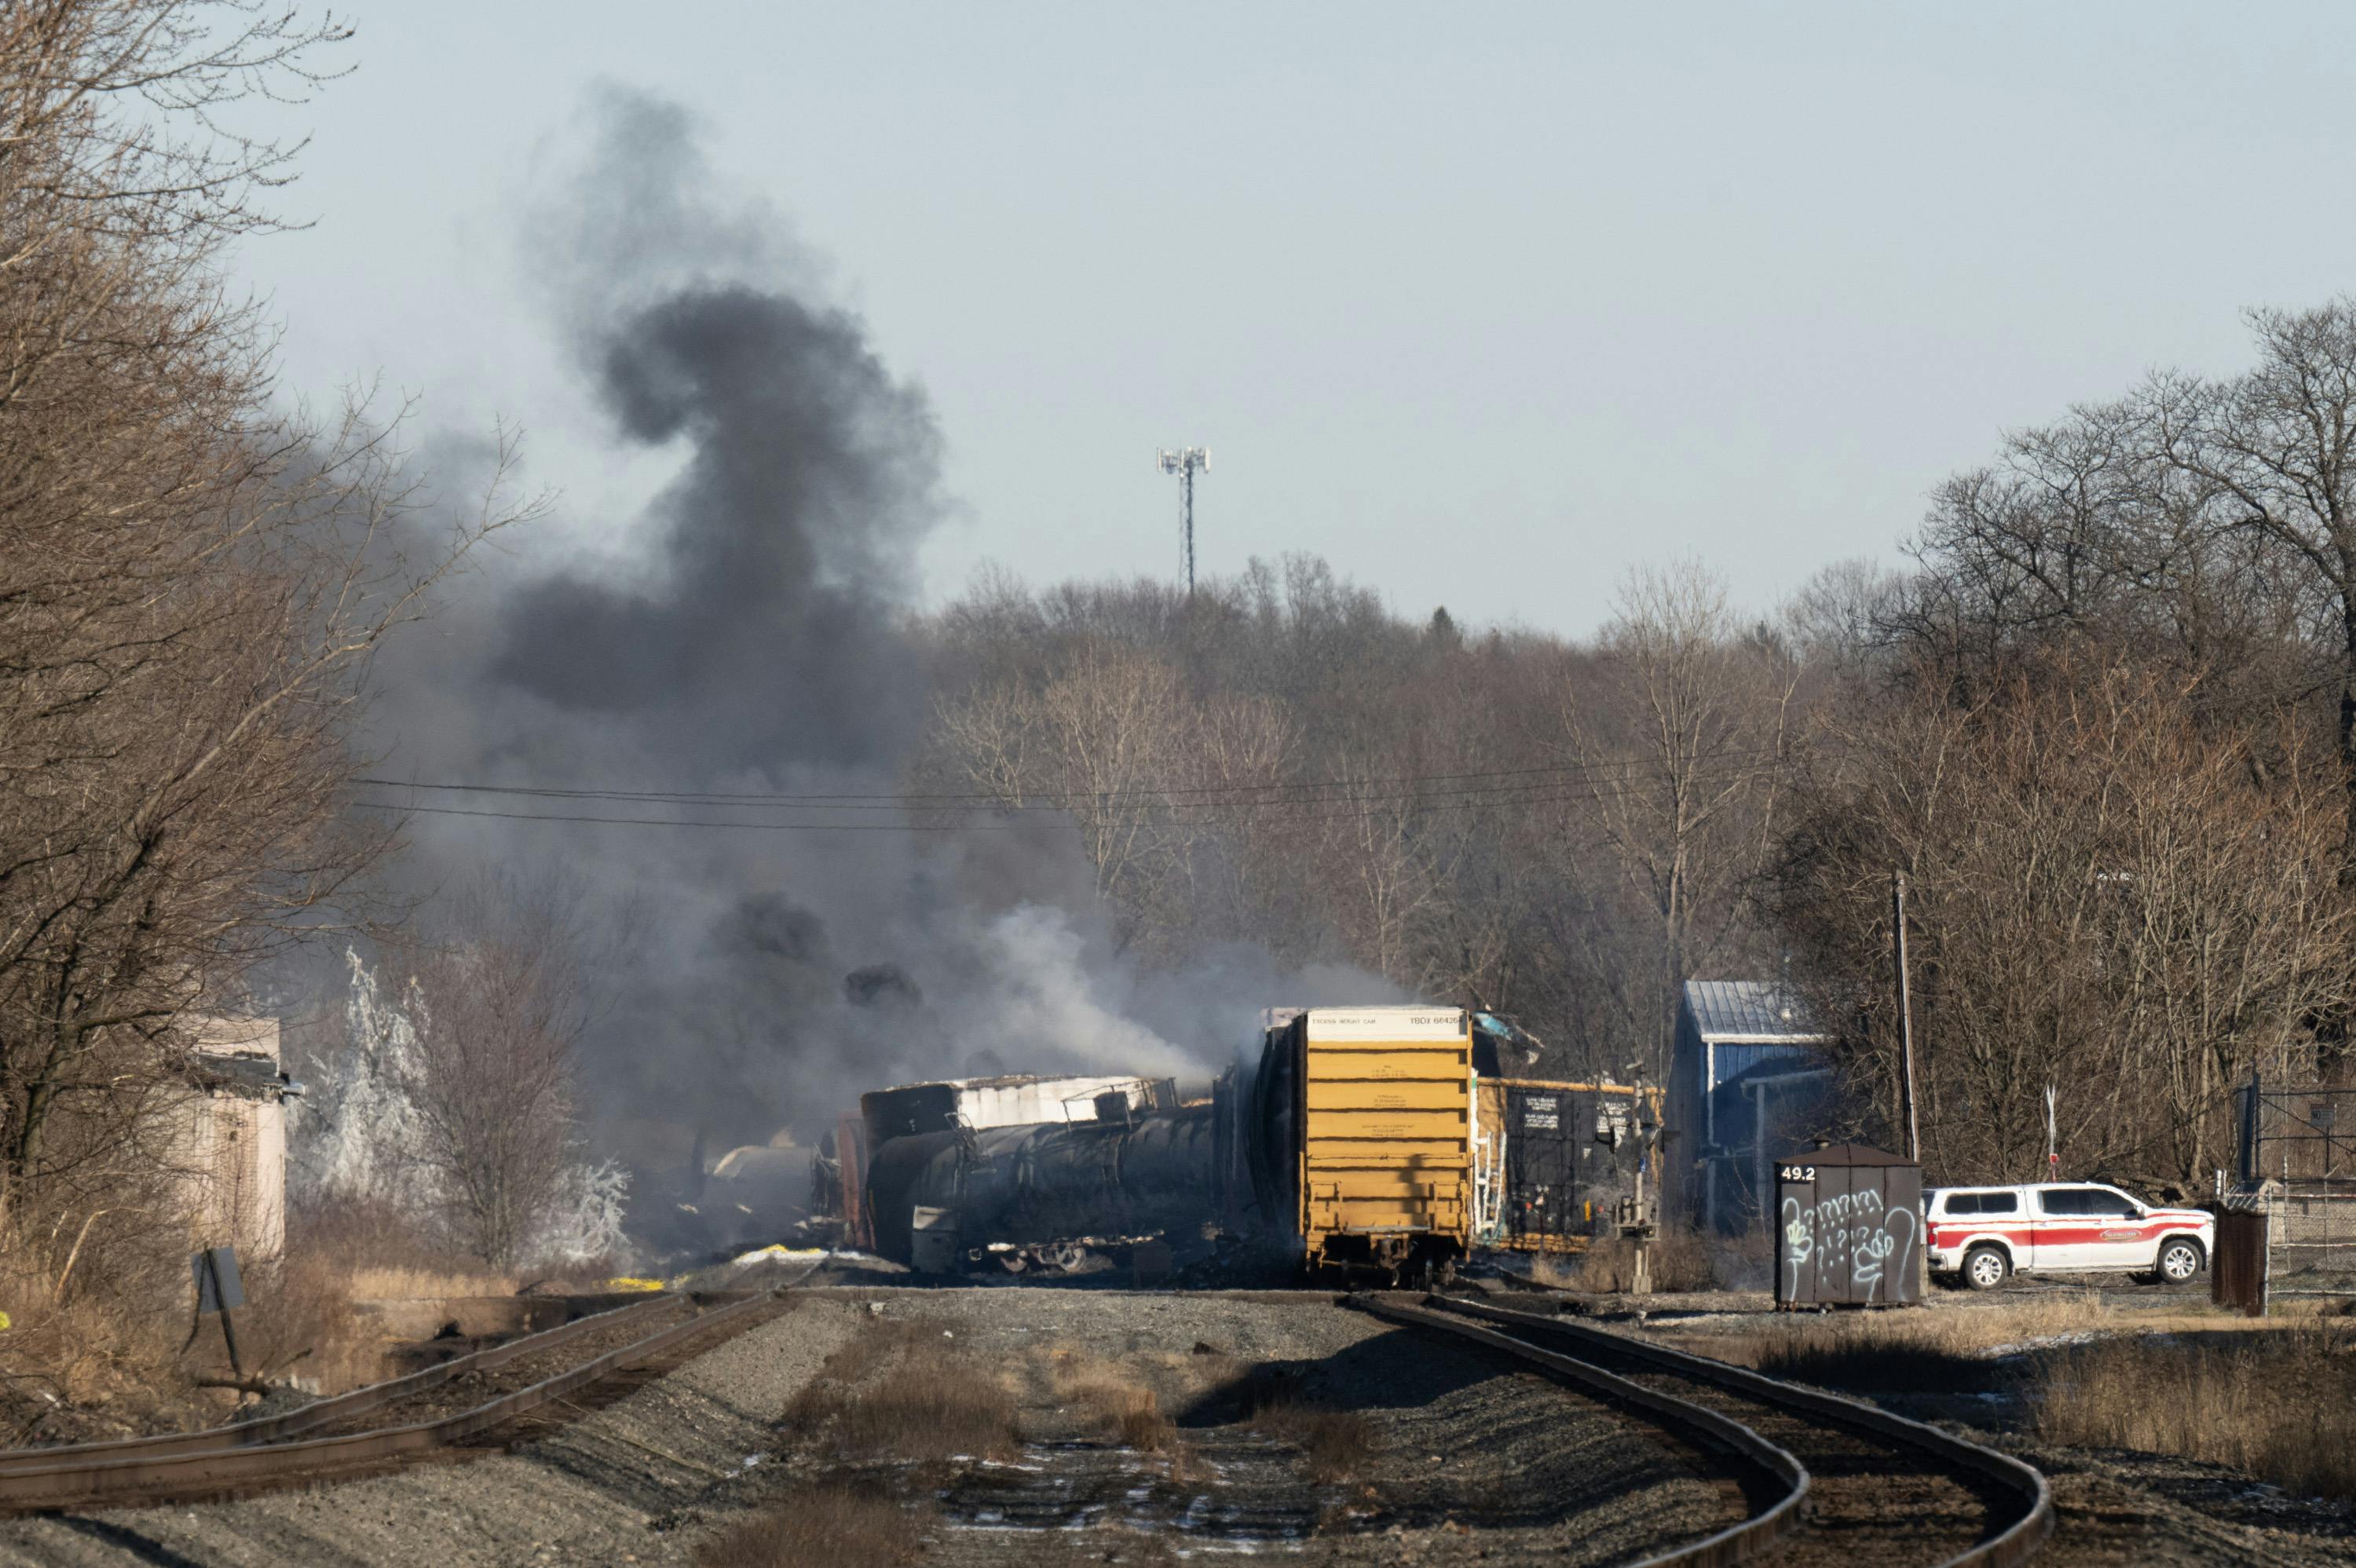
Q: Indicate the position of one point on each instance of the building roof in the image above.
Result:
(1751, 1012)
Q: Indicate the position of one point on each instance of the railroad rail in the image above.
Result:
(274, 1451)
(1782, 1527)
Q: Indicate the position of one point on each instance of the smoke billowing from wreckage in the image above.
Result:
(750, 636)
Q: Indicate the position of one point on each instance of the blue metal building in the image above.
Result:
(1747, 1061)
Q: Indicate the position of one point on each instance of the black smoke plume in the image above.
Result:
(749, 630)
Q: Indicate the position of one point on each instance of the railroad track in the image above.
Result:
(1832, 1480)
(431, 1411)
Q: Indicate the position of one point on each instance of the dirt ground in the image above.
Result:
(1463, 1458)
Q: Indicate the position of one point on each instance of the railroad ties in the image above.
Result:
(1844, 1482)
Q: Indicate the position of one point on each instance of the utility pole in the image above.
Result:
(1905, 1013)
(1184, 463)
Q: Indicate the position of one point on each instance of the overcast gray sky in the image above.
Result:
(1482, 303)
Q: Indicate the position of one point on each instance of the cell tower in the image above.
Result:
(1183, 464)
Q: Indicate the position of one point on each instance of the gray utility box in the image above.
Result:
(1847, 1228)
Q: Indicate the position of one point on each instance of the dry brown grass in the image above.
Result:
(99, 1304)
(840, 1526)
(2274, 1399)
(1912, 1348)
(414, 1283)
(908, 1391)
(1112, 1402)
(1680, 1262)
(1335, 1445)
(2278, 1406)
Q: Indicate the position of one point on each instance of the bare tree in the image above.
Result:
(1678, 756)
(503, 1001)
(2105, 896)
(189, 584)
(2274, 454)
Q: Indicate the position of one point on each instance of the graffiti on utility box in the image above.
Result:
(1847, 1229)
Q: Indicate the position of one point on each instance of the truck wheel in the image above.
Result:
(2179, 1260)
(1985, 1267)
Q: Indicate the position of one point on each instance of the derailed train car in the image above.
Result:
(1043, 1195)
(1356, 1138)
(1357, 1133)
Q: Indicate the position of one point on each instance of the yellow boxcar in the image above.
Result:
(1383, 1105)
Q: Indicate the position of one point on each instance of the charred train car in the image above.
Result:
(1041, 1195)
(1359, 1139)
(1348, 1140)
(1552, 1160)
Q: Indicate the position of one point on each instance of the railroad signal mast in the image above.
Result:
(1184, 463)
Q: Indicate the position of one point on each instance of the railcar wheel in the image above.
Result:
(1986, 1268)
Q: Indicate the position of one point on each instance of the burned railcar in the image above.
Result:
(1043, 1195)
(1009, 1100)
(1347, 1140)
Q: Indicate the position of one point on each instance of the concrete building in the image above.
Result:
(1748, 1073)
(228, 1136)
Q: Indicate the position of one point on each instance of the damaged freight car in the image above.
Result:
(1052, 1197)
(1356, 1131)
(1553, 1159)
(1356, 1139)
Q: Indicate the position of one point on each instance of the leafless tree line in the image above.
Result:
(2105, 724)
(1562, 831)
(190, 581)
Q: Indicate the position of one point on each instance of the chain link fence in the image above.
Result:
(2297, 1170)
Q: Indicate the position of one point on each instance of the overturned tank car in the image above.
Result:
(1048, 1196)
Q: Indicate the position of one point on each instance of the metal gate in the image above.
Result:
(2297, 1169)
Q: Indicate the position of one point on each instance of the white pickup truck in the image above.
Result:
(1986, 1234)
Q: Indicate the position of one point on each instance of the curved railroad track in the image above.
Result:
(437, 1409)
(1833, 1480)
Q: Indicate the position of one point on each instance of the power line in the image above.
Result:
(1202, 814)
(1056, 799)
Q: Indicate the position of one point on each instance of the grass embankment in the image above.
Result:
(1680, 1263)
(904, 1390)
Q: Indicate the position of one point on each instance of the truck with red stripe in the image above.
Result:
(1986, 1234)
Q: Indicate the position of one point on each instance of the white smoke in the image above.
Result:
(1048, 1002)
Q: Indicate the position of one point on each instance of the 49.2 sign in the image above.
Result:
(1796, 1173)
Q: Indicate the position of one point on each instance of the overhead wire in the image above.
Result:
(1272, 792)
(1276, 813)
